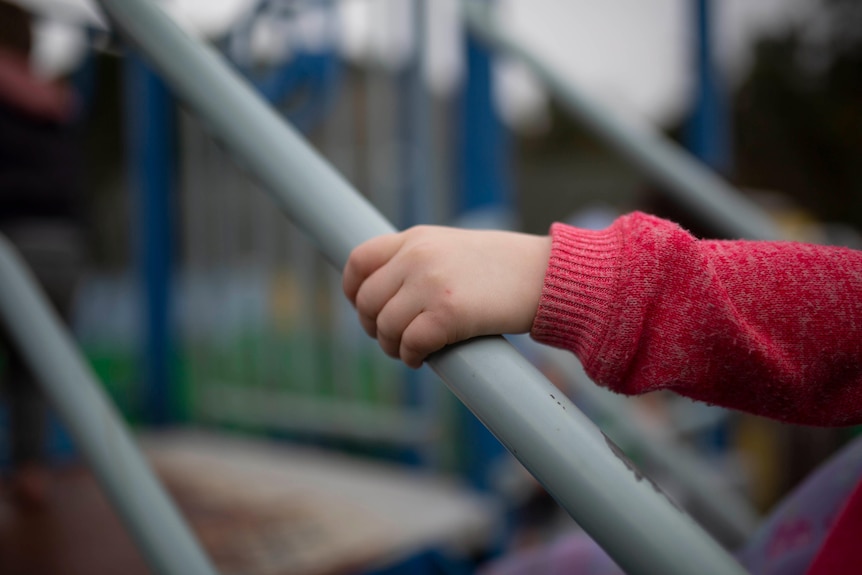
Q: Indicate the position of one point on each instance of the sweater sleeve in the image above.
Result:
(771, 328)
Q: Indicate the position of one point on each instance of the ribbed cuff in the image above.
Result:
(577, 299)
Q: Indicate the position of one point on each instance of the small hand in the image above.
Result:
(427, 287)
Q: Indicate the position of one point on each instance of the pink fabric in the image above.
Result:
(840, 554)
(771, 328)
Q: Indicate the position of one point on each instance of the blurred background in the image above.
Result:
(223, 336)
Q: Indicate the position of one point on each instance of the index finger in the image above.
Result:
(367, 258)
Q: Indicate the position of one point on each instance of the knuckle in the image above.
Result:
(418, 231)
(422, 254)
(420, 344)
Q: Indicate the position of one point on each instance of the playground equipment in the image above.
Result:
(625, 514)
(282, 351)
(566, 452)
(279, 352)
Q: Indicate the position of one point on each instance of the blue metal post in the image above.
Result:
(415, 183)
(415, 130)
(685, 180)
(709, 129)
(150, 156)
(485, 191)
(708, 135)
(485, 178)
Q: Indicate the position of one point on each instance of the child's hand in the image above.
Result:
(422, 289)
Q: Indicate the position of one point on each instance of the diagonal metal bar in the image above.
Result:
(725, 513)
(680, 174)
(623, 511)
(99, 433)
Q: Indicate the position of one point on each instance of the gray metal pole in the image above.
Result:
(725, 513)
(667, 164)
(622, 511)
(98, 431)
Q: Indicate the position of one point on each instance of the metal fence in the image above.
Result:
(269, 339)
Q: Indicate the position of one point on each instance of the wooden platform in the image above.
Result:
(258, 509)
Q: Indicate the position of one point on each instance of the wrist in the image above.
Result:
(575, 307)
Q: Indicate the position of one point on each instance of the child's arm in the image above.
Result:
(422, 289)
(772, 328)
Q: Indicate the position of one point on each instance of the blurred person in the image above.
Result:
(769, 328)
(40, 214)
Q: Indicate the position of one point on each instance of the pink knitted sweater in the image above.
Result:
(771, 328)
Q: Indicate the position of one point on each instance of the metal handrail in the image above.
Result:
(626, 514)
(680, 174)
(98, 431)
(725, 513)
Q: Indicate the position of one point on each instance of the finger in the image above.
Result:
(425, 335)
(376, 291)
(394, 318)
(369, 325)
(367, 258)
